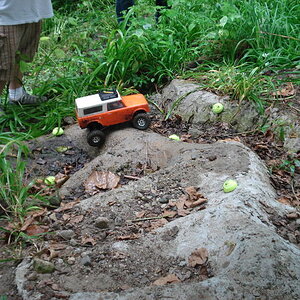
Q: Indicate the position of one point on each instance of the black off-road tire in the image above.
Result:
(141, 121)
(96, 138)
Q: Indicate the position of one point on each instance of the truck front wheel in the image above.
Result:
(141, 121)
(95, 138)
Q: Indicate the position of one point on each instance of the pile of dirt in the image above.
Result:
(98, 242)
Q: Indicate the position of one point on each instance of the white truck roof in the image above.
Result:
(93, 100)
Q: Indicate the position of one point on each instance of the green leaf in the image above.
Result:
(139, 32)
(223, 33)
(59, 53)
(191, 26)
(211, 35)
(72, 21)
(223, 21)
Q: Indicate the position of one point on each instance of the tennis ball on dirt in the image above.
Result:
(229, 185)
(57, 131)
(50, 180)
(174, 137)
(217, 108)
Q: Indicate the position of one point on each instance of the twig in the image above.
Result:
(147, 219)
(293, 190)
(131, 177)
(296, 109)
(280, 35)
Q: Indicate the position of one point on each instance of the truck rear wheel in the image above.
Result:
(95, 138)
(141, 121)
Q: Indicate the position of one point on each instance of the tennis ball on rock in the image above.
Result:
(57, 131)
(217, 108)
(174, 137)
(50, 180)
(229, 185)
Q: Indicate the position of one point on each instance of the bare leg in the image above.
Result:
(16, 83)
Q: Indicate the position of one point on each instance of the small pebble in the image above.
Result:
(66, 234)
(212, 157)
(86, 261)
(163, 200)
(102, 222)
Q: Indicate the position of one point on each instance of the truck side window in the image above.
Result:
(92, 110)
(114, 105)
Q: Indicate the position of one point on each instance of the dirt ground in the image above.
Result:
(74, 257)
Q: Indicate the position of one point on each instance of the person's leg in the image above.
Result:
(122, 7)
(27, 47)
(4, 59)
(10, 37)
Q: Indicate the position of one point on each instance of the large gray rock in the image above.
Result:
(194, 105)
(248, 258)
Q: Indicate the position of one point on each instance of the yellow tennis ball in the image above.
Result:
(174, 137)
(217, 108)
(50, 180)
(57, 131)
(229, 185)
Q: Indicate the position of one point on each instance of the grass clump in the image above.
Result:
(17, 198)
(83, 49)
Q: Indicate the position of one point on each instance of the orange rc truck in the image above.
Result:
(95, 112)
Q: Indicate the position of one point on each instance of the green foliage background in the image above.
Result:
(232, 43)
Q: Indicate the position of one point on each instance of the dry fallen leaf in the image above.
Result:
(197, 203)
(171, 278)
(88, 240)
(66, 217)
(198, 257)
(235, 139)
(158, 223)
(169, 213)
(287, 91)
(140, 214)
(101, 181)
(31, 217)
(75, 220)
(128, 237)
(284, 200)
(292, 215)
(182, 212)
(66, 206)
(36, 229)
(180, 202)
(60, 179)
(193, 193)
(57, 246)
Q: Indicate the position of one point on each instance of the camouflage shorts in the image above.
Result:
(17, 42)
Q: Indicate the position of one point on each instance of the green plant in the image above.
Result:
(290, 165)
(16, 198)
